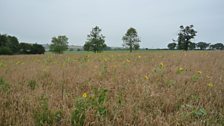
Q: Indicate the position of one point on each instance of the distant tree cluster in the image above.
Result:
(184, 41)
(10, 45)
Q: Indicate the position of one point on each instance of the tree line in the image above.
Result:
(96, 41)
(10, 45)
(184, 41)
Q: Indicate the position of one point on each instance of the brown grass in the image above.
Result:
(144, 88)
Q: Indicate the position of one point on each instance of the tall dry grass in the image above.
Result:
(147, 88)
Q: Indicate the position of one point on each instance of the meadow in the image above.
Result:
(148, 88)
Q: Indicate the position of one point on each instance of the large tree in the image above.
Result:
(203, 45)
(8, 42)
(184, 37)
(95, 41)
(59, 44)
(131, 39)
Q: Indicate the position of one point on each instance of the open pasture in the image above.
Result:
(113, 89)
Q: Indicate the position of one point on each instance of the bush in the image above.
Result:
(5, 51)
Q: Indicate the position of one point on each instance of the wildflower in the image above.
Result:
(139, 57)
(161, 65)
(181, 69)
(84, 95)
(210, 85)
(146, 77)
(199, 72)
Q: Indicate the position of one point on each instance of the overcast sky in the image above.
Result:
(157, 21)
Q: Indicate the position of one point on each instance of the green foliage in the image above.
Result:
(5, 51)
(202, 45)
(4, 86)
(95, 101)
(25, 48)
(8, 45)
(37, 49)
(200, 112)
(32, 84)
(217, 46)
(195, 77)
(192, 46)
(131, 39)
(184, 36)
(172, 46)
(95, 41)
(59, 44)
(79, 113)
(44, 116)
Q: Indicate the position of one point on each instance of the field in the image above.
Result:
(113, 89)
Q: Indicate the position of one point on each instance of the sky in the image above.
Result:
(156, 21)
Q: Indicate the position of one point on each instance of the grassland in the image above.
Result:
(158, 88)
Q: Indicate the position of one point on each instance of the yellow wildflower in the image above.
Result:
(139, 57)
(181, 69)
(84, 95)
(161, 65)
(146, 77)
(210, 85)
(199, 72)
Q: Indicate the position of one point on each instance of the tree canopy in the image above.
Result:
(95, 41)
(184, 37)
(59, 44)
(131, 39)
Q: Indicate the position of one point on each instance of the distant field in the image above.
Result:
(145, 88)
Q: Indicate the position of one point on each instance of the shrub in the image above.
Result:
(5, 51)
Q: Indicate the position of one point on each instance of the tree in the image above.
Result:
(131, 39)
(37, 49)
(192, 45)
(218, 46)
(184, 37)
(171, 46)
(59, 44)
(136, 47)
(5, 50)
(25, 48)
(202, 45)
(95, 41)
(9, 43)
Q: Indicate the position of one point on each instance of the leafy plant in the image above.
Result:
(44, 116)
(32, 84)
(4, 86)
(96, 102)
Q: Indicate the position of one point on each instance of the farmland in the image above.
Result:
(113, 88)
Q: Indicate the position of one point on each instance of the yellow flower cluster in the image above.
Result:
(84, 95)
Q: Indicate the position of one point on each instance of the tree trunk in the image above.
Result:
(130, 48)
